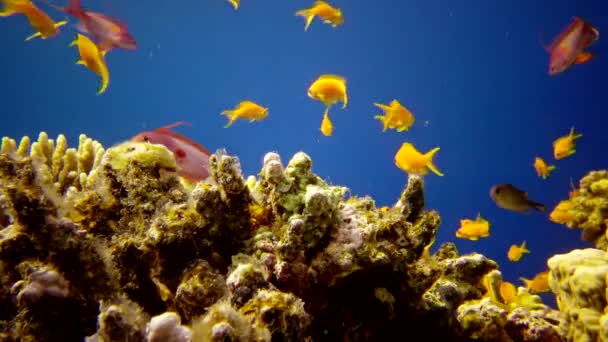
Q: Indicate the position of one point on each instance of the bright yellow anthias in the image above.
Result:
(542, 169)
(92, 58)
(329, 89)
(516, 252)
(323, 10)
(508, 292)
(561, 214)
(410, 160)
(395, 116)
(473, 229)
(235, 3)
(565, 146)
(38, 19)
(540, 282)
(246, 110)
(327, 128)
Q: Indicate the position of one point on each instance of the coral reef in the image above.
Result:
(111, 245)
(587, 208)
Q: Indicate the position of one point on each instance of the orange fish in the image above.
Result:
(473, 229)
(44, 25)
(108, 32)
(561, 214)
(542, 169)
(410, 160)
(565, 146)
(323, 10)
(192, 159)
(395, 116)
(568, 47)
(92, 58)
(516, 252)
(540, 283)
(508, 292)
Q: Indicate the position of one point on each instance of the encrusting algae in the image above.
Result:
(109, 245)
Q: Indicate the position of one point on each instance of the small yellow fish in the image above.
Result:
(395, 116)
(38, 19)
(329, 89)
(561, 214)
(564, 146)
(410, 160)
(327, 128)
(542, 169)
(540, 283)
(473, 229)
(247, 110)
(235, 3)
(93, 59)
(508, 292)
(426, 252)
(323, 10)
(516, 252)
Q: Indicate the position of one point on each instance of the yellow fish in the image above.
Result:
(395, 116)
(329, 89)
(247, 110)
(542, 169)
(93, 59)
(426, 252)
(323, 10)
(410, 160)
(473, 229)
(327, 128)
(235, 3)
(564, 146)
(38, 19)
(508, 292)
(540, 283)
(516, 252)
(561, 214)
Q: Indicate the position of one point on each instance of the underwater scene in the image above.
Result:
(303, 170)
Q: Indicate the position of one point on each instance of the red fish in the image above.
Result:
(568, 47)
(192, 159)
(108, 32)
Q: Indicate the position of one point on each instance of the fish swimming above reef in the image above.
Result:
(323, 10)
(107, 32)
(508, 197)
(327, 128)
(410, 160)
(246, 110)
(516, 252)
(192, 159)
(542, 169)
(565, 146)
(395, 116)
(38, 19)
(568, 47)
(93, 58)
(473, 229)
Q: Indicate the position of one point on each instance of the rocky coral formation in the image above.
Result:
(587, 208)
(579, 279)
(111, 245)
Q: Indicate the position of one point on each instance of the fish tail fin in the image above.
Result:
(105, 80)
(538, 206)
(551, 167)
(430, 164)
(384, 121)
(344, 100)
(306, 14)
(573, 135)
(584, 57)
(526, 281)
(234, 3)
(524, 249)
(231, 117)
(32, 36)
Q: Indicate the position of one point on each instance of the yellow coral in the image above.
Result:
(57, 165)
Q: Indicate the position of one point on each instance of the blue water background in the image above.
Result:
(474, 74)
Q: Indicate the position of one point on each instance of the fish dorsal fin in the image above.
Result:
(332, 77)
(166, 130)
(175, 124)
(563, 34)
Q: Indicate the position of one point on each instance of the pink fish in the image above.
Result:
(567, 48)
(108, 32)
(192, 158)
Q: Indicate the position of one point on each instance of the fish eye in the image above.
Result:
(497, 191)
(146, 139)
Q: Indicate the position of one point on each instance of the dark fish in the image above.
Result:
(511, 198)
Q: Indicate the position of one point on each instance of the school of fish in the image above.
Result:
(99, 33)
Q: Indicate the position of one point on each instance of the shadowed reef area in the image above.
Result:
(111, 245)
